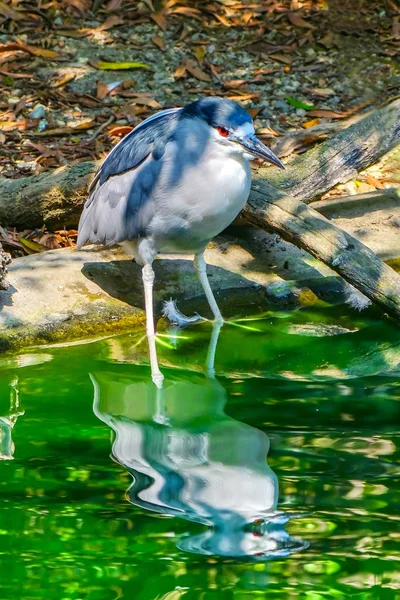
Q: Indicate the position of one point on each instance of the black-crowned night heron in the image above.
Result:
(171, 185)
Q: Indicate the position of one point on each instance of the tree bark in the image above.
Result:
(54, 197)
(309, 230)
(339, 158)
(5, 259)
(369, 200)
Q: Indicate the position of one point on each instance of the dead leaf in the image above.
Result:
(20, 125)
(199, 52)
(2, 138)
(167, 4)
(246, 17)
(6, 57)
(311, 123)
(298, 21)
(374, 181)
(222, 20)
(42, 148)
(194, 70)
(30, 246)
(51, 241)
(263, 47)
(88, 124)
(121, 130)
(81, 5)
(327, 114)
(159, 18)
(184, 33)
(38, 51)
(110, 22)
(329, 40)
(323, 92)
(114, 5)
(9, 47)
(283, 58)
(214, 70)
(17, 75)
(243, 97)
(127, 83)
(140, 100)
(149, 4)
(63, 80)
(158, 41)
(131, 109)
(267, 132)
(9, 13)
(393, 6)
(234, 84)
(146, 101)
(33, 50)
(180, 71)
(103, 89)
(188, 12)
(74, 33)
(254, 111)
(21, 104)
(396, 28)
(263, 72)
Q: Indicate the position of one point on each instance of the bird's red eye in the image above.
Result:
(222, 131)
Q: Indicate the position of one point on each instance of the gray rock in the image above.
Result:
(66, 294)
(38, 112)
(42, 125)
(281, 105)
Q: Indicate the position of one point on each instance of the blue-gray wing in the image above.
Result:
(120, 203)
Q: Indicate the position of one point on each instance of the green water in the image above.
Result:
(278, 479)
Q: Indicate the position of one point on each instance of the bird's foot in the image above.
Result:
(176, 317)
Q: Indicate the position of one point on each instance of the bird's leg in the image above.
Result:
(148, 281)
(212, 348)
(160, 413)
(200, 267)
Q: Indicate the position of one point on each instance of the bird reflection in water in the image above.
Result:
(191, 460)
(7, 423)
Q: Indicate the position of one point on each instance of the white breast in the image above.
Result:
(208, 197)
(219, 193)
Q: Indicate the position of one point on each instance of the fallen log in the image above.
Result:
(368, 201)
(306, 228)
(56, 198)
(339, 158)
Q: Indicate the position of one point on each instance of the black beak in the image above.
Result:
(259, 150)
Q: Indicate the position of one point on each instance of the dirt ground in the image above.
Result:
(279, 59)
